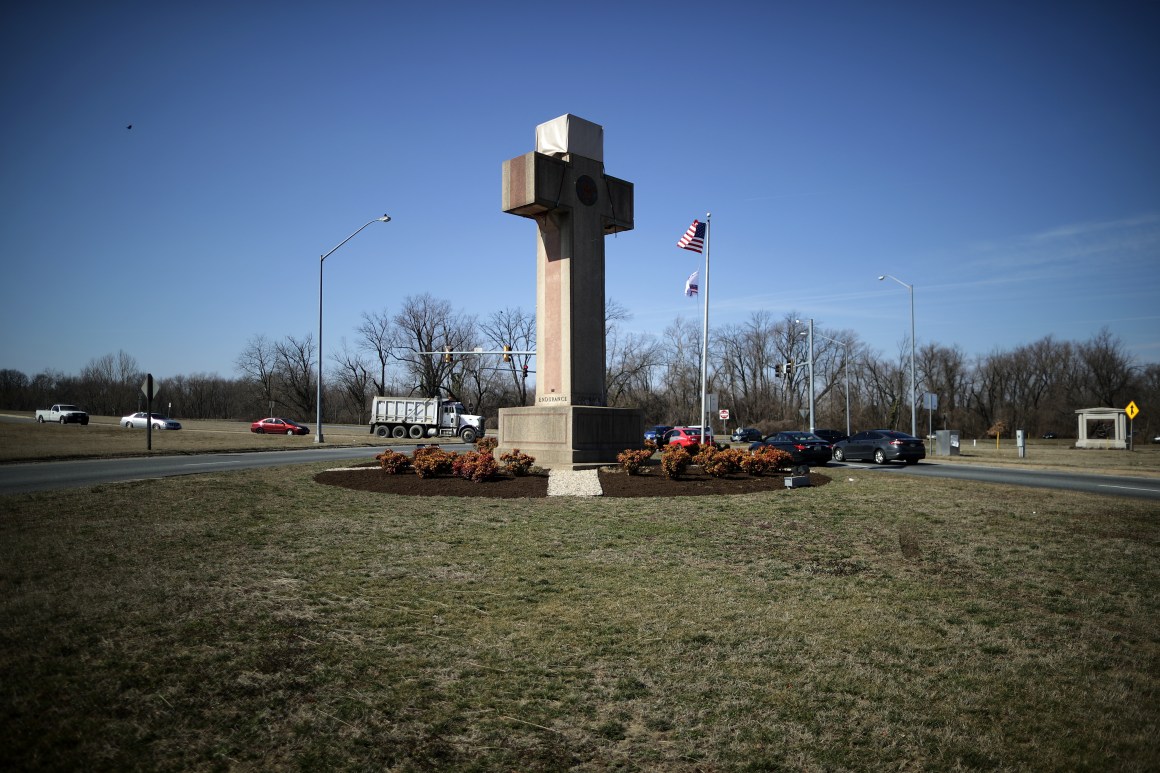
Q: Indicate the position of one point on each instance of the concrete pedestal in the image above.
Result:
(570, 437)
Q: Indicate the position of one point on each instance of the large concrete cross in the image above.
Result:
(562, 186)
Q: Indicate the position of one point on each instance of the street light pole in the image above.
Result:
(321, 262)
(811, 367)
(913, 409)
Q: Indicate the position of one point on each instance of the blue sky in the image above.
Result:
(1002, 158)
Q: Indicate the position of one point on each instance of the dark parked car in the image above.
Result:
(831, 436)
(1049, 436)
(657, 433)
(880, 446)
(745, 435)
(276, 426)
(813, 449)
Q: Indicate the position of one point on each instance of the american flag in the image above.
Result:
(694, 238)
(691, 284)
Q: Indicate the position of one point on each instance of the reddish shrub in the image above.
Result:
(674, 461)
(486, 444)
(394, 463)
(475, 466)
(720, 463)
(518, 464)
(432, 461)
(632, 459)
(765, 460)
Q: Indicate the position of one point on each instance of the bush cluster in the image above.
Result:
(432, 461)
(674, 461)
(394, 463)
(765, 460)
(632, 459)
(476, 466)
(486, 444)
(517, 463)
(720, 463)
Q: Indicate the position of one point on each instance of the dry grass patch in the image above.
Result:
(202, 622)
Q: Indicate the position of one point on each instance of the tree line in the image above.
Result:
(1036, 387)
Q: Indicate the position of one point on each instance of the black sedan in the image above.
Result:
(745, 435)
(809, 446)
(880, 446)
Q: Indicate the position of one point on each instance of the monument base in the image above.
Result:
(570, 437)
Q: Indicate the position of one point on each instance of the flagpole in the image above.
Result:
(705, 336)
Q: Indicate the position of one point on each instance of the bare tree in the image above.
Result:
(516, 329)
(426, 324)
(354, 381)
(258, 362)
(294, 368)
(376, 332)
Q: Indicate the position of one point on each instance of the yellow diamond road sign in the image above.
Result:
(1132, 410)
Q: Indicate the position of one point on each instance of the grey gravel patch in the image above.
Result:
(574, 483)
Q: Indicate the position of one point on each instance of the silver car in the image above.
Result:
(138, 421)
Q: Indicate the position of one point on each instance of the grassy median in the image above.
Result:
(261, 620)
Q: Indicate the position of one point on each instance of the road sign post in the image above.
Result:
(1133, 411)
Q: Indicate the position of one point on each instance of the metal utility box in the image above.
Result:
(947, 442)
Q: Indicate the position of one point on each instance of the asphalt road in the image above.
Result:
(44, 476)
(1117, 485)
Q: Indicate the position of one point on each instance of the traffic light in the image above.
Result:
(507, 353)
(789, 367)
(447, 354)
(779, 370)
(525, 373)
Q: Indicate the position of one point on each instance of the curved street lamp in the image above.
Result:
(321, 261)
(913, 411)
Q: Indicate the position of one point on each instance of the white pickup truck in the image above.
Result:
(65, 414)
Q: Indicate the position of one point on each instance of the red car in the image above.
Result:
(683, 436)
(275, 426)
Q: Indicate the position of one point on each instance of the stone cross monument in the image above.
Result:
(562, 186)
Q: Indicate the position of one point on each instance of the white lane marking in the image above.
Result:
(1127, 488)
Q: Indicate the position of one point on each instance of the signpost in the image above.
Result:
(149, 388)
(1133, 411)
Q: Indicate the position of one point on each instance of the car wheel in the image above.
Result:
(879, 457)
(910, 461)
(260, 431)
(839, 455)
(125, 424)
(289, 432)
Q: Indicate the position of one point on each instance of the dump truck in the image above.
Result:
(420, 417)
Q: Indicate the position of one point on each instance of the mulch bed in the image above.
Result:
(614, 483)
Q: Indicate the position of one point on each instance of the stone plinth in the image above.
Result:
(570, 436)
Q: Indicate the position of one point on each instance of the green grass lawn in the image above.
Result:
(260, 620)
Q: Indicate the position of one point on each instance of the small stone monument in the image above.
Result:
(562, 186)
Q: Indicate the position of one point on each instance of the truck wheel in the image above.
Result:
(40, 419)
(415, 431)
(62, 420)
(399, 431)
(468, 435)
(382, 430)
